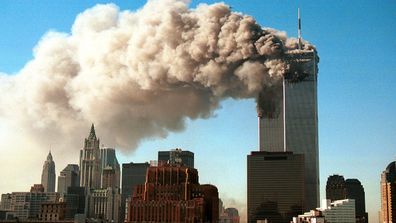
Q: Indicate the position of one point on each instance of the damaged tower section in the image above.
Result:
(288, 119)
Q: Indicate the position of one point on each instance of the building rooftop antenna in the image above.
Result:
(299, 30)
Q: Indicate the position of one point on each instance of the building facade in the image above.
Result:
(340, 211)
(288, 117)
(337, 188)
(133, 174)
(90, 163)
(109, 161)
(104, 204)
(48, 176)
(388, 193)
(275, 186)
(173, 194)
(69, 177)
(52, 212)
(177, 156)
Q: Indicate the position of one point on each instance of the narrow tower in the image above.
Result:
(90, 170)
(299, 30)
(48, 175)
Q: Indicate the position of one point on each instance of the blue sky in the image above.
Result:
(356, 42)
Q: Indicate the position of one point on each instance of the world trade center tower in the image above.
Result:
(293, 127)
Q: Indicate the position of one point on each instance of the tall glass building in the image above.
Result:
(291, 124)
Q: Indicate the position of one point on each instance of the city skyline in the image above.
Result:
(355, 96)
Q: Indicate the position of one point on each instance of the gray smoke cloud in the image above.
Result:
(141, 74)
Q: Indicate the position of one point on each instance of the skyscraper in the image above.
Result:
(109, 165)
(388, 193)
(337, 188)
(133, 174)
(90, 164)
(177, 156)
(48, 175)
(69, 177)
(288, 119)
(275, 188)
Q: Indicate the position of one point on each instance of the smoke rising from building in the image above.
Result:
(141, 74)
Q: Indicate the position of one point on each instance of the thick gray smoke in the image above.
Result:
(141, 74)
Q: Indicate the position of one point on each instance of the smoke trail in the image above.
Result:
(141, 74)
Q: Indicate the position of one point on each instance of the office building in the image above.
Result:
(388, 193)
(288, 117)
(355, 191)
(340, 211)
(75, 201)
(5, 204)
(109, 161)
(90, 163)
(104, 204)
(133, 174)
(52, 212)
(313, 216)
(69, 177)
(48, 175)
(336, 188)
(275, 186)
(177, 156)
(172, 193)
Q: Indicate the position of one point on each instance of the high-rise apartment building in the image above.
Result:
(48, 175)
(275, 186)
(69, 177)
(133, 174)
(288, 118)
(90, 163)
(172, 193)
(177, 155)
(337, 188)
(388, 193)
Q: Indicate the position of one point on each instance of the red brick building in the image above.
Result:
(173, 194)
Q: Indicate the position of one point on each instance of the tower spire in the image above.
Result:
(92, 134)
(299, 30)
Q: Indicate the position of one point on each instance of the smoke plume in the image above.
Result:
(141, 74)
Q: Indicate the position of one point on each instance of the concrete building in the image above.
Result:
(109, 161)
(314, 216)
(27, 205)
(173, 194)
(133, 174)
(52, 212)
(288, 117)
(90, 163)
(69, 177)
(275, 186)
(104, 204)
(177, 156)
(48, 175)
(388, 193)
(340, 211)
(5, 204)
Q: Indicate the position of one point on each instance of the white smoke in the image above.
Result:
(140, 74)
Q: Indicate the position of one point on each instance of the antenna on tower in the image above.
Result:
(299, 30)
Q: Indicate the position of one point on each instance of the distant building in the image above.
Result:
(275, 186)
(75, 201)
(314, 216)
(90, 164)
(337, 188)
(5, 204)
(104, 204)
(133, 174)
(69, 177)
(27, 205)
(172, 193)
(52, 212)
(340, 211)
(48, 175)
(388, 193)
(109, 161)
(177, 155)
